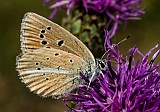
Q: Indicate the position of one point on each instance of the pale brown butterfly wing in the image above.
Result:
(45, 74)
(52, 58)
(38, 32)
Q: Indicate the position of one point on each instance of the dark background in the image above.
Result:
(14, 96)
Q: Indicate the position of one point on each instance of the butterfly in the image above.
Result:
(52, 58)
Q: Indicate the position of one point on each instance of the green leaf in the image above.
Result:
(76, 26)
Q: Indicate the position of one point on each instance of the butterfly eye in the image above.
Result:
(101, 64)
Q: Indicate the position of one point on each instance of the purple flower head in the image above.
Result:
(128, 85)
(117, 11)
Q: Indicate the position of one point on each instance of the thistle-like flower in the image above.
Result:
(129, 85)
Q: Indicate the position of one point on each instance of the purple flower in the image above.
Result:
(117, 11)
(127, 85)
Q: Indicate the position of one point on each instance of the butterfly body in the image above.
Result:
(52, 58)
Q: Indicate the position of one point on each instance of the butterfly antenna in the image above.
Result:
(124, 39)
(116, 45)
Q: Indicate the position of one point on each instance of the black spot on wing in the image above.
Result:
(44, 42)
(43, 31)
(48, 28)
(60, 42)
(41, 36)
(56, 54)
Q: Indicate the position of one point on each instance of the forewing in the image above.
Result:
(38, 32)
(50, 72)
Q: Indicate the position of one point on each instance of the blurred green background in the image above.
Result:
(14, 96)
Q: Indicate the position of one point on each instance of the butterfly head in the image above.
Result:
(101, 65)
